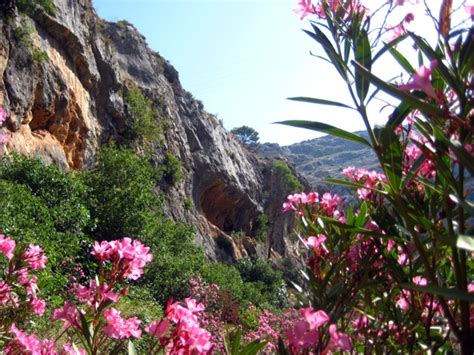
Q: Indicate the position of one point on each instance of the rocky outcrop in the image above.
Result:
(65, 77)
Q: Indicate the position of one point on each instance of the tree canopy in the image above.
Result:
(246, 135)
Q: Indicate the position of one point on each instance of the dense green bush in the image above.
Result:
(172, 169)
(27, 218)
(30, 6)
(267, 280)
(259, 284)
(144, 126)
(121, 199)
(290, 181)
(122, 202)
(63, 193)
(176, 259)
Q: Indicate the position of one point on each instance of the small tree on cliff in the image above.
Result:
(246, 135)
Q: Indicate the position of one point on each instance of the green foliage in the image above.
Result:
(265, 278)
(172, 169)
(249, 318)
(62, 193)
(144, 126)
(120, 198)
(246, 135)
(176, 259)
(39, 56)
(23, 33)
(258, 284)
(42, 205)
(262, 227)
(123, 203)
(290, 181)
(31, 6)
(188, 203)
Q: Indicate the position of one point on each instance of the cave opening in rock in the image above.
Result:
(228, 209)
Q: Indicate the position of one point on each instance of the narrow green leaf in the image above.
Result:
(432, 55)
(388, 46)
(237, 336)
(468, 206)
(466, 59)
(363, 56)
(85, 328)
(281, 347)
(312, 100)
(392, 155)
(131, 348)
(413, 171)
(253, 348)
(321, 38)
(399, 115)
(464, 157)
(402, 60)
(447, 293)
(465, 242)
(362, 216)
(424, 107)
(325, 128)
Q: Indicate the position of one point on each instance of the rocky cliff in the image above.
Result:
(66, 75)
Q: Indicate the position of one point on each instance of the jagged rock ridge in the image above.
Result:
(325, 157)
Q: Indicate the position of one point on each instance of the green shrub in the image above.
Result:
(176, 260)
(268, 281)
(262, 227)
(39, 56)
(30, 6)
(172, 169)
(144, 126)
(121, 199)
(26, 218)
(290, 181)
(62, 193)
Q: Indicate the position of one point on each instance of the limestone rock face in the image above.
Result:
(64, 77)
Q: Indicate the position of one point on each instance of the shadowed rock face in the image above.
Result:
(63, 84)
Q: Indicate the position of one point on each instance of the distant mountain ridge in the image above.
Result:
(321, 158)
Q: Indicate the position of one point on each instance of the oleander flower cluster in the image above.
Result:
(92, 323)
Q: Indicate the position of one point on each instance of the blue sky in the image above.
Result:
(242, 59)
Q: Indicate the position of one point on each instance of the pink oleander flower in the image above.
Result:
(70, 350)
(338, 340)
(7, 246)
(421, 80)
(470, 10)
(35, 257)
(305, 9)
(316, 243)
(4, 138)
(301, 337)
(68, 314)
(158, 329)
(5, 290)
(304, 334)
(94, 295)
(38, 305)
(23, 343)
(187, 336)
(395, 31)
(120, 328)
(132, 255)
(3, 115)
(314, 319)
